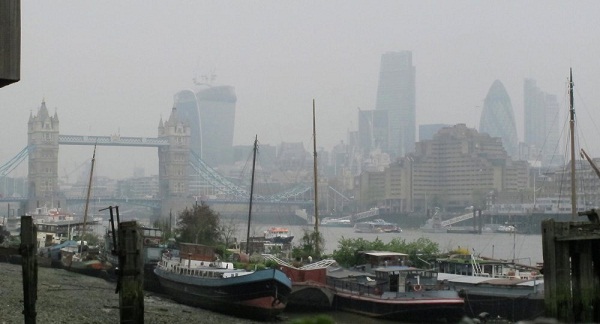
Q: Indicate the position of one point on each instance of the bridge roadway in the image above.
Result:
(113, 140)
(155, 204)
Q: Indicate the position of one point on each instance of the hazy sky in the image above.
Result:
(113, 66)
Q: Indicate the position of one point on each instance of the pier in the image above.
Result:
(572, 269)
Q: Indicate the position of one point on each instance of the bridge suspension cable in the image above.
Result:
(236, 192)
(9, 166)
(217, 180)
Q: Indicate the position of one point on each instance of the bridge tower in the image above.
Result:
(42, 139)
(173, 161)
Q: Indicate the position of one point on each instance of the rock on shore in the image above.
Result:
(67, 297)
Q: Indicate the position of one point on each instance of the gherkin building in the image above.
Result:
(498, 119)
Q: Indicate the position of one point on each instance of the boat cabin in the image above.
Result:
(469, 265)
(405, 279)
(197, 252)
(377, 259)
(152, 236)
(391, 280)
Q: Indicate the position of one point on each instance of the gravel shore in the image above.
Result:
(67, 297)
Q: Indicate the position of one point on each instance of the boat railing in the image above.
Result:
(356, 287)
(377, 289)
(200, 272)
(477, 271)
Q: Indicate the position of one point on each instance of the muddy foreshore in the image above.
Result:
(67, 297)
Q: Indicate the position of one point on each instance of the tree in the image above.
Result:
(165, 227)
(350, 252)
(307, 245)
(199, 225)
(228, 231)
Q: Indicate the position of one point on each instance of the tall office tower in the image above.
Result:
(211, 115)
(541, 123)
(187, 109)
(396, 94)
(498, 119)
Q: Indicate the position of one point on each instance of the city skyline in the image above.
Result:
(106, 71)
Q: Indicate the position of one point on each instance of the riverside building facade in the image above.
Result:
(459, 167)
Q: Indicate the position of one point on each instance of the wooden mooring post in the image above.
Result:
(28, 253)
(131, 273)
(571, 253)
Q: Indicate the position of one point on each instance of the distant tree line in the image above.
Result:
(350, 251)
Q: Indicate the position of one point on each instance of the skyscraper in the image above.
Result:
(396, 94)
(541, 123)
(210, 113)
(498, 119)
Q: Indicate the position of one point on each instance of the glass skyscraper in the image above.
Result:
(498, 119)
(396, 94)
(541, 123)
(210, 113)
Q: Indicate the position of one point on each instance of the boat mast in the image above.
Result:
(251, 193)
(316, 183)
(572, 129)
(87, 198)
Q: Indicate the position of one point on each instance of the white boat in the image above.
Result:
(336, 222)
(512, 291)
(196, 277)
(434, 224)
(278, 235)
(377, 226)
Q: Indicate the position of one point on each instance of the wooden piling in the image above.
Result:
(131, 273)
(28, 253)
(571, 270)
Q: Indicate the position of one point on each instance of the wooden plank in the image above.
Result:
(578, 231)
(10, 41)
(131, 263)
(583, 282)
(596, 273)
(571, 273)
(549, 254)
(29, 268)
(564, 296)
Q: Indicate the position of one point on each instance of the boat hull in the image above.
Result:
(281, 239)
(310, 295)
(151, 280)
(262, 294)
(515, 308)
(309, 288)
(438, 306)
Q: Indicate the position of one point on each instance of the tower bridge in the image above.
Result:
(178, 163)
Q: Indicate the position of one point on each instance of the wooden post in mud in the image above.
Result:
(131, 273)
(571, 270)
(29, 267)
